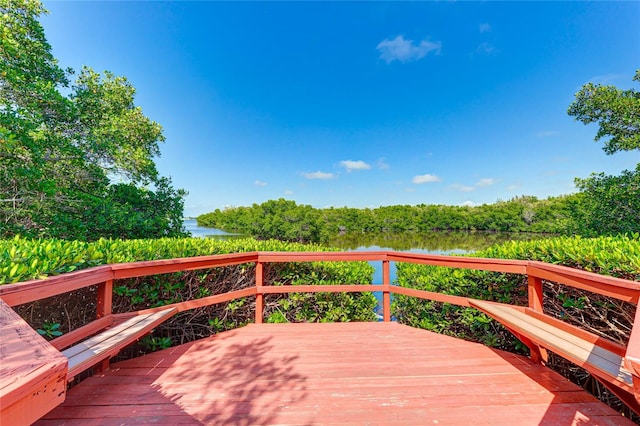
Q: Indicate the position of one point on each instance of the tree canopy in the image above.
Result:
(610, 204)
(61, 156)
(616, 111)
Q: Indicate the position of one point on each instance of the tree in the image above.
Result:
(616, 111)
(610, 204)
(59, 154)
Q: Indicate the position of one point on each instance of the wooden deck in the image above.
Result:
(353, 373)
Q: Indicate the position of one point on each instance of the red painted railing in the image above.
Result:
(104, 276)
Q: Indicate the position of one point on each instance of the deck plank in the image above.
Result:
(355, 373)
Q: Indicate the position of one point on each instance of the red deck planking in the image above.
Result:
(345, 373)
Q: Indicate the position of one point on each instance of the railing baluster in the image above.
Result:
(259, 296)
(104, 299)
(386, 294)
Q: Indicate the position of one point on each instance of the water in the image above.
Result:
(197, 231)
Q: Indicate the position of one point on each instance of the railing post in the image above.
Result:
(386, 291)
(536, 302)
(535, 293)
(104, 305)
(259, 296)
(104, 299)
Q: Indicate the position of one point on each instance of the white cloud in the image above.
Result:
(513, 187)
(485, 182)
(484, 28)
(462, 188)
(318, 175)
(351, 165)
(469, 203)
(382, 164)
(288, 192)
(403, 50)
(426, 178)
(486, 48)
(260, 183)
(482, 183)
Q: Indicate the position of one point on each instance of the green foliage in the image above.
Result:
(59, 152)
(287, 221)
(23, 259)
(609, 204)
(50, 330)
(152, 343)
(617, 256)
(324, 307)
(616, 111)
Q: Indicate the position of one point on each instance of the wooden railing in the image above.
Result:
(527, 323)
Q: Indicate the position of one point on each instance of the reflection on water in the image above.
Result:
(436, 242)
(192, 227)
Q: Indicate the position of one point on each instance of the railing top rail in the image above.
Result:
(28, 291)
(321, 256)
(165, 266)
(584, 275)
(32, 290)
(488, 264)
(401, 255)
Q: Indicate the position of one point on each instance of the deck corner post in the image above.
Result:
(386, 292)
(259, 296)
(104, 301)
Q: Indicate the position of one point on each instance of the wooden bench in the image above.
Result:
(601, 357)
(108, 343)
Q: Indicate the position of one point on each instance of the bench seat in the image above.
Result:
(108, 343)
(588, 354)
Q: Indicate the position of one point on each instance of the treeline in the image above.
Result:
(286, 220)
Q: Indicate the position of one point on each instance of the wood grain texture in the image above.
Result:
(32, 372)
(108, 343)
(572, 346)
(341, 373)
(81, 333)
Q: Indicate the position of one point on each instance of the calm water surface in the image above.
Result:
(191, 226)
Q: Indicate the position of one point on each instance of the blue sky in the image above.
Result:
(361, 104)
